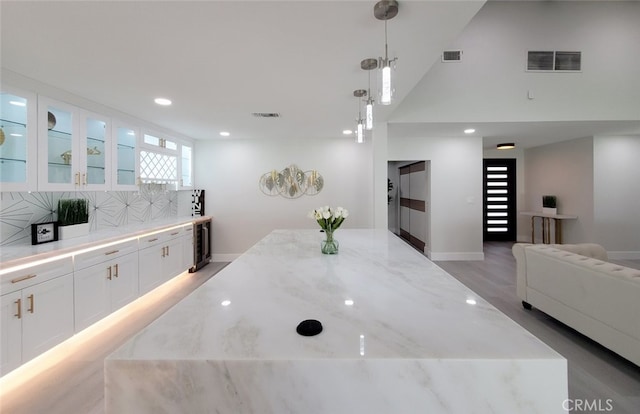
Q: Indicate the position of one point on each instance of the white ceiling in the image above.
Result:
(220, 61)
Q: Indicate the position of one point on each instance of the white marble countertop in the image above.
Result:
(16, 255)
(403, 304)
(412, 341)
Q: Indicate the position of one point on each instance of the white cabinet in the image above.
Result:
(126, 157)
(188, 259)
(10, 331)
(74, 151)
(160, 258)
(37, 311)
(104, 280)
(18, 139)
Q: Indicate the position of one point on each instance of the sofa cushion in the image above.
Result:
(604, 291)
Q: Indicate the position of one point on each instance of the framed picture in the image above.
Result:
(44, 232)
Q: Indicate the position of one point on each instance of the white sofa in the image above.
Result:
(577, 286)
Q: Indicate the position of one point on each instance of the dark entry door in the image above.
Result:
(499, 204)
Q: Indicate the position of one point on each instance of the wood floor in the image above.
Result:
(75, 385)
(595, 373)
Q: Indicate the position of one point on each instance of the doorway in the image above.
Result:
(499, 199)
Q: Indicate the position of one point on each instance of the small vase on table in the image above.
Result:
(329, 245)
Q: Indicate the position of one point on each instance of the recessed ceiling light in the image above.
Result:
(225, 133)
(347, 132)
(18, 103)
(162, 101)
(469, 131)
(471, 301)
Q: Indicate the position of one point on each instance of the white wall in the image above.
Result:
(229, 171)
(491, 84)
(565, 170)
(617, 195)
(455, 192)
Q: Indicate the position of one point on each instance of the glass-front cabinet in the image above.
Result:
(73, 150)
(126, 160)
(95, 155)
(186, 166)
(18, 136)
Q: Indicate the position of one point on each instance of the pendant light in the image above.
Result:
(385, 10)
(368, 65)
(360, 93)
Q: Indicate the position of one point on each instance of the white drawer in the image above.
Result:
(103, 254)
(159, 238)
(25, 277)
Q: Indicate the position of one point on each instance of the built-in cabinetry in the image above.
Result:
(18, 137)
(44, 304)
(126, 163)
(37, 311)
(161, 256)
(49, 145)
(73, 148)
(104, 280)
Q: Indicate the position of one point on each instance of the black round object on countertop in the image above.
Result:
(309, 327)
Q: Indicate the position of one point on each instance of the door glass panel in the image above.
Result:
(186, 166)
(13, 139)
(60, 159)
(170, 145)
(126, 156)
(96, 135)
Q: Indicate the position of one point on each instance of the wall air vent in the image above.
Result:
(266, 115)
(452, 56)
(554, 61)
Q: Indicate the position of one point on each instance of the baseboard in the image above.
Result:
(632, 255)
(225, 257)
(456, 256)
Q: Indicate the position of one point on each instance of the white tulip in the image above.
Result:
(338, 213)
(318, 215)
(326, 214)
(345, 213)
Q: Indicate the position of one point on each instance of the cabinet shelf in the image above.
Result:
(101, 140)
(11, 123)
(125, 170)
(126, 146)
(2, 160)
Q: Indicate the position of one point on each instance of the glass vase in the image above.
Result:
(329, 245)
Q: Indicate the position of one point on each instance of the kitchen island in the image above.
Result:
(400, 336)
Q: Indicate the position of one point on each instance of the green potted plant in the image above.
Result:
(549, 204)
(73, 218)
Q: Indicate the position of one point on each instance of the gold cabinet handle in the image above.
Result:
(163, 251)
(77, 178)
(152, 240)
(167, 250)
(177, 232)
(21, 278)
(116, 270)
(109, 273)
(84, 179)
(19, 314)
(31, 302)
(111, 252)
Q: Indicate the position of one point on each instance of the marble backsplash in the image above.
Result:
(106, 209)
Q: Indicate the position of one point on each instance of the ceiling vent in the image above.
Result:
(452, 56)
(554, 61)
(266, 115)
